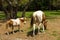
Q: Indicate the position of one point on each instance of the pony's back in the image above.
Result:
(16, 21)
(38, 15)
(39, 12)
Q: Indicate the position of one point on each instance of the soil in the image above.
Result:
(52, 32)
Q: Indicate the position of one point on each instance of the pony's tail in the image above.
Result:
(6, 25)
(31, 21)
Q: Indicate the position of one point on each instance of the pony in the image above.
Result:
(38, 18)
(15, 22)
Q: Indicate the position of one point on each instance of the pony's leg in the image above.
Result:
(12, 29)
(43, 28)
(39, 28)
(7, 30)
(44, 25)
(19, 27)
(34, 29)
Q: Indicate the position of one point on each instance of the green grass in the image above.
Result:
(52, 14)
(54, 33)
(2, 15)
(49, 14)
(58, 38)
(27, 14)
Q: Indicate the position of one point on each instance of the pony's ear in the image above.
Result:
(22, 19)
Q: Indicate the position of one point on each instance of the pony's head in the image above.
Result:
(45, 24)
(23, 19)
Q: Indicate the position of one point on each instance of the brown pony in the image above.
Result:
(39, 18)
(15, 22)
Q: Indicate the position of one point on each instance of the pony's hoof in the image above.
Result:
(33, 35)
(13, 32)
(7, 33)
(21, 30)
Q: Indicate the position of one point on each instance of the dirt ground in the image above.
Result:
(52, 32)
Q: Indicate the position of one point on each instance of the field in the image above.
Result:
(52, 32)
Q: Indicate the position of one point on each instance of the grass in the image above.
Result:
(54, 33)
(2, 15)
(58, 38)
(27, 14)
(49, 14)
(52, 14)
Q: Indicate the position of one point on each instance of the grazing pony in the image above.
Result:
(15, 22)
(39, 18)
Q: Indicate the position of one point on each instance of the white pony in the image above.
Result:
(39, 18)
(15, 22)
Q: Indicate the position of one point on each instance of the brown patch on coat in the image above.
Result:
(44, 21)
